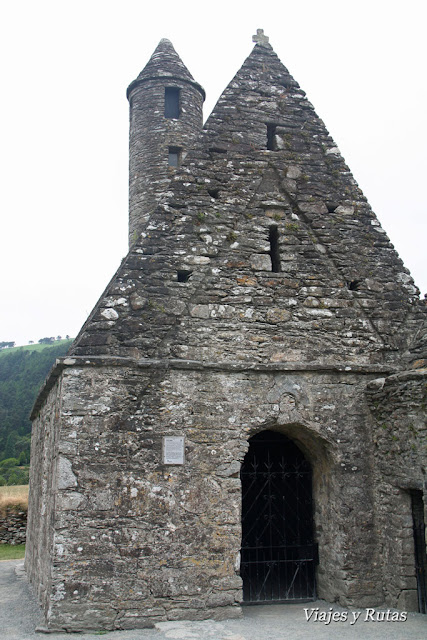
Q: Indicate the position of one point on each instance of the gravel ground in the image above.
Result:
(20, 615)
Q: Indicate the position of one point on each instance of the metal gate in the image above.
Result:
(420, 548)
(278, 554)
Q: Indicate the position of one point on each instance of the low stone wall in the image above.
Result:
(13, 525)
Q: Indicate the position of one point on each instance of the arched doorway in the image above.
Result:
(278, 554)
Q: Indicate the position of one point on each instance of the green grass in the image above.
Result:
(34, 347)
(12, 551)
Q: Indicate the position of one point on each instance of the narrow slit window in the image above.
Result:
(214, 193)
(271, 137)
(174, 156)
(183, 275)
(172, 102)
(354, 285)
(273, 237)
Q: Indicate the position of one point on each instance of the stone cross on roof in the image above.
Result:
(260, 38)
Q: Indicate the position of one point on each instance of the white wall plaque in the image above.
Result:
(173, 450)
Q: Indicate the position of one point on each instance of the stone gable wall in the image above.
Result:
(342, 294)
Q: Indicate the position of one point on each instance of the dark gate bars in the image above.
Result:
(278, 554)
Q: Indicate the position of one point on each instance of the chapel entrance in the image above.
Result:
(278, 554)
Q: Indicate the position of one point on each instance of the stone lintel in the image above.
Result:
(199, 365)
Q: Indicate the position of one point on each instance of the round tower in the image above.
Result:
(165, 115)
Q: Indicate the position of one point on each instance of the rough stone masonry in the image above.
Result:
(260, 295)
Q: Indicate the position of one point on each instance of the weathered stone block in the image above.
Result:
(66, 477)
(260, 262)
(408, 600)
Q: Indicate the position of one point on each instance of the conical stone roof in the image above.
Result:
(165, 63)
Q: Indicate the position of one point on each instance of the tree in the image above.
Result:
(23, 458)
(13, 479)
(9, 463)
(7, 345)
(9, 450)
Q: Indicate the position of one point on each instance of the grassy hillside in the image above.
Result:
(35, 347)
(22, 372)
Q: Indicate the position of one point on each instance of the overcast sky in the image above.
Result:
(64, 125)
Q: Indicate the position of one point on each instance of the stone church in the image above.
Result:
(241, 419)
